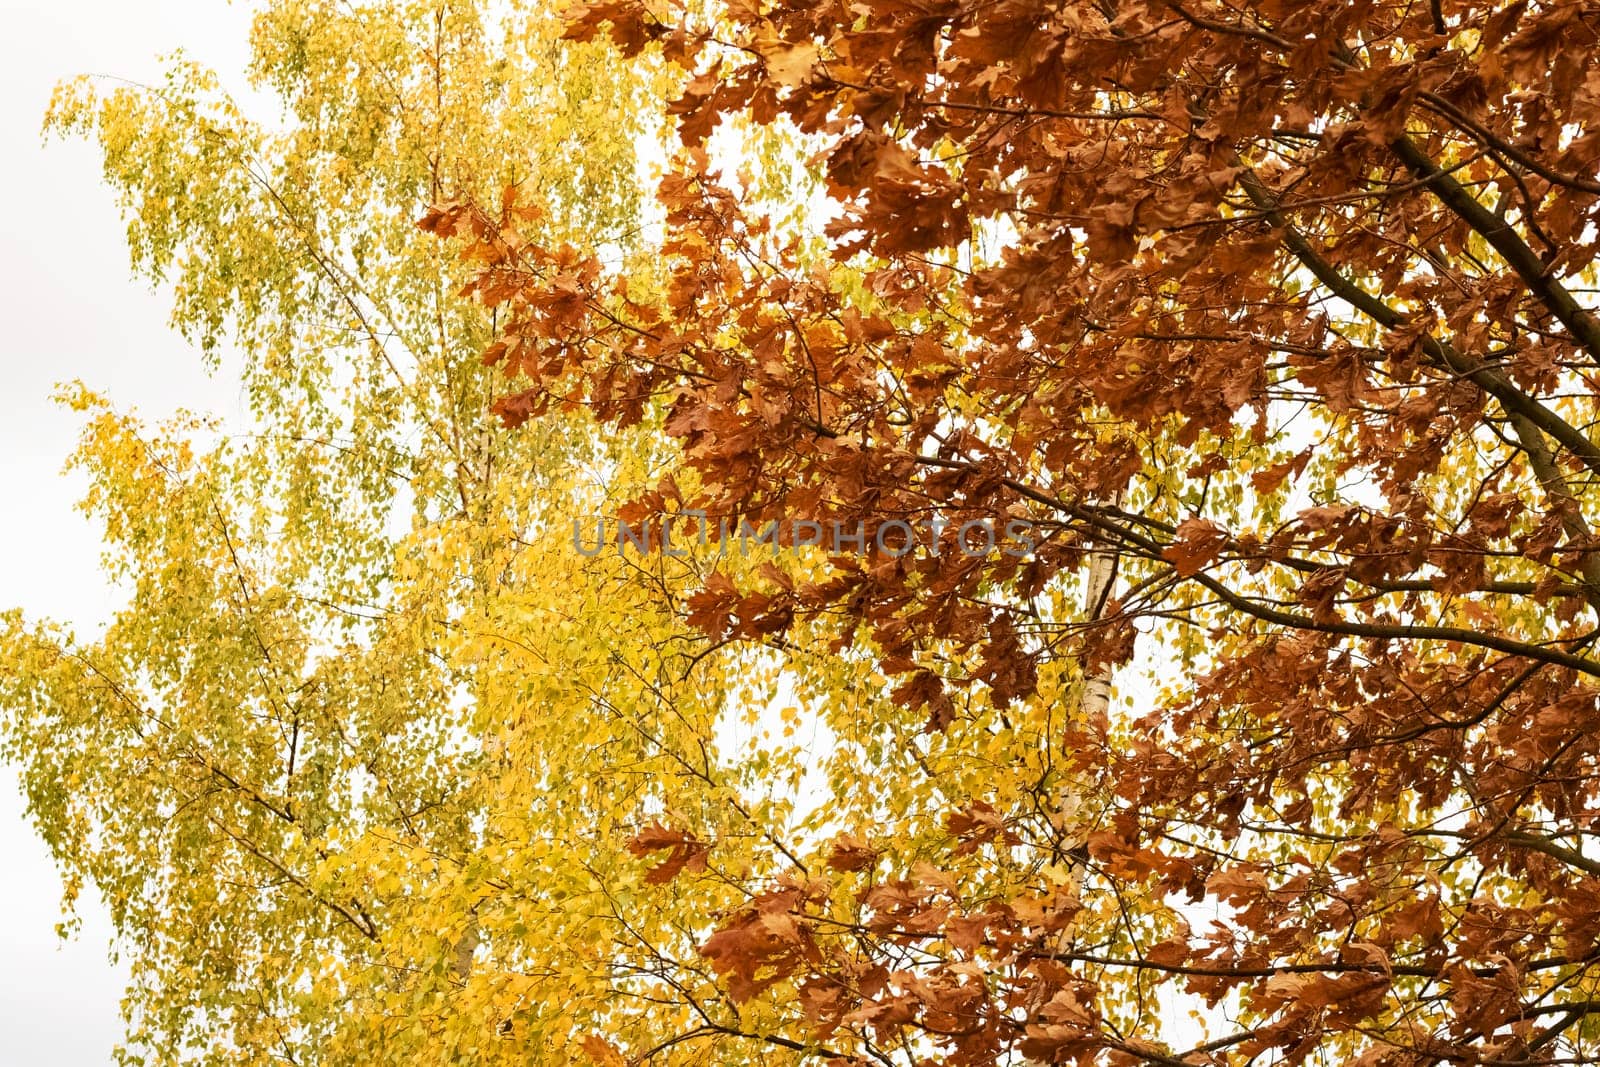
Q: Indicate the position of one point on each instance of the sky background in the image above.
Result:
(72, 310)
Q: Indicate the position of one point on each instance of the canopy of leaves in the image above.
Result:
(1281, 312)
(374, 767)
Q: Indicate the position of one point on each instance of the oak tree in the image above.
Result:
(1276, 320)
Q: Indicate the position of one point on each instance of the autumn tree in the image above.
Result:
(1275, 320)
(375, 766)
(357, 767)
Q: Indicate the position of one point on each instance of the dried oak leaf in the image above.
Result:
(1198, 542)
(684, 852)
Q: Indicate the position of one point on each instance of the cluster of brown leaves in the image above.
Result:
(1214, 218)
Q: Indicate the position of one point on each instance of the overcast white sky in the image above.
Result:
(72, 310)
